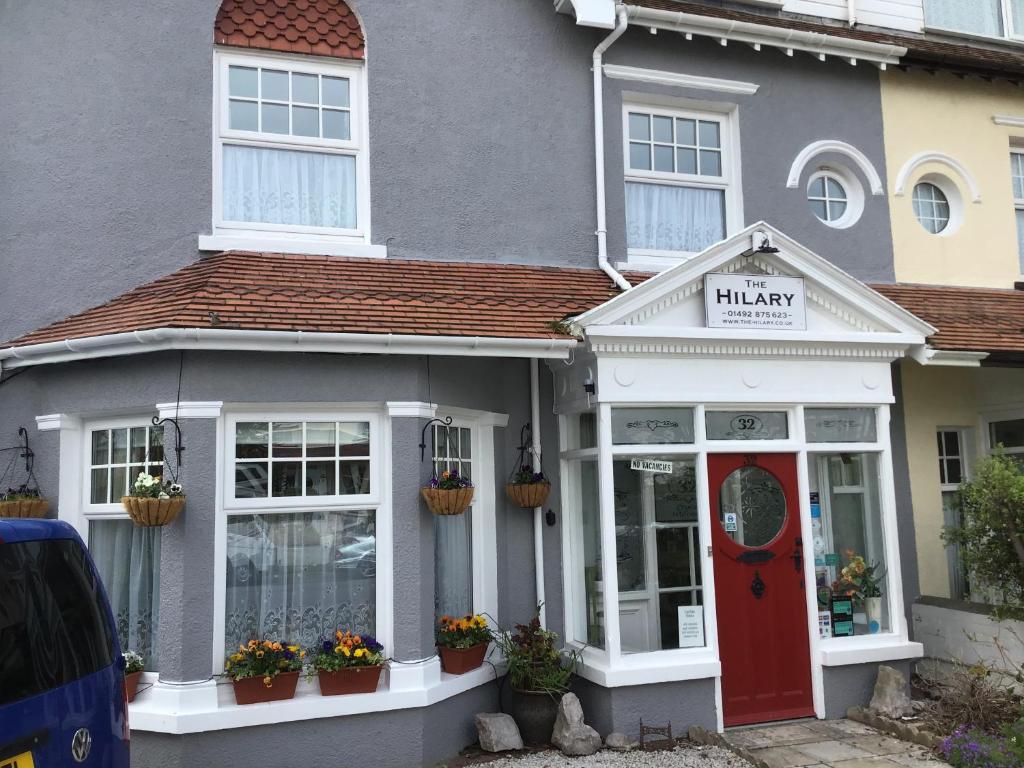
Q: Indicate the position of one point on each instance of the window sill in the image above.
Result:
(272, 243)
(651, 668)
(840, 651)
(210, 705)
(978, 36)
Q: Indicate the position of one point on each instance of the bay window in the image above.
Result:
(301, 527)
(680, 189)
(291, 148)
(126, 556)
(453, 534)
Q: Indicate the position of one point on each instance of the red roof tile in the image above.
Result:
(921, 49)
(324, 27)
(265, 291)
(975, 319)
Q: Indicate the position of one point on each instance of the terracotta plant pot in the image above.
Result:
(528, 495)
(251, 690)
(453, 502)
(149, 513)
(131, 685)
(24, 508)
(350, 680)
(459, 661)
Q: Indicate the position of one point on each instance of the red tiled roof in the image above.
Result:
(269, 291)
(976, 319)
(920, 48)
(320, 27)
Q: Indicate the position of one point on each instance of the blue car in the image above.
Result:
(62, 700)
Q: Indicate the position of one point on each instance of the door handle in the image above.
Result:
(798, 554)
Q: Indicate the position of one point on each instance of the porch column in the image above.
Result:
(413, 551)
(187, 561)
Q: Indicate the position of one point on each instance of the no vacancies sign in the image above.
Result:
(770, 302)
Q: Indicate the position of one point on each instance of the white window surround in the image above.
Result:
(1010, 35)
(237, 235)
(854, 195)
(951, 192)
(989, 416)
(610, 668)
(836, 147)
(907, 177)
(730, 180)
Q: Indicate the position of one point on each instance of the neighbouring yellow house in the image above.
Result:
(955, 164)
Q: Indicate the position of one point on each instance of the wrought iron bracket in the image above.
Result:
(26, 453)
(445, 422)
(179, 448)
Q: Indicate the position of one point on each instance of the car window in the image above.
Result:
(53, 628)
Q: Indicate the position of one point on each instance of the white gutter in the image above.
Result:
(956, 358)
(789, 40)
(622, 23)
(140, 342)
(538, 512)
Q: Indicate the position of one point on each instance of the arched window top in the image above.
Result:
(317, 27)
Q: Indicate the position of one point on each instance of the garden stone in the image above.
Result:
(571, 734)
(497, 732)
(620, 742)
(890, 698)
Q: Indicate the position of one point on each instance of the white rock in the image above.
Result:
(571, 734)
(620, 742)
(891, 698)
(497, 732)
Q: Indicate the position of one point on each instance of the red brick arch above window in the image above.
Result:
(318, 27)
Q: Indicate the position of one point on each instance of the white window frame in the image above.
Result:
(992, 417)
(378, 500)
(113, 510)
(850, 185)
(954, 200)
(1017, 162)
(729, 182)
(957, 578)
(291, 238)
(1006, 19)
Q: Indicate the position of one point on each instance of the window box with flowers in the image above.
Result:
(264, 670)
(152, 501)
(528, 489)
(133, 668)
(462, 643)
(348, 663)
(450, 494)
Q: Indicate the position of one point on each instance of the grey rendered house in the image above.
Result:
(303, 229)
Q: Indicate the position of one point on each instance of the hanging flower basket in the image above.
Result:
(528, 495)
(31, 506)
(447, 502)
(153, 502)
(255, 690)
(149, 513)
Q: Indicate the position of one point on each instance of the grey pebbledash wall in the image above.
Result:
(481, 140)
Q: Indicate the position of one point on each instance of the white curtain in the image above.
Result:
(128, 560)
(280, 186)
(453, 564)
(981, 17)
(668, 218)
(298, 577)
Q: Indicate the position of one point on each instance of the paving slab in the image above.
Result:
(832, 752)
(866, 762)
(880, 744)
(783, 757)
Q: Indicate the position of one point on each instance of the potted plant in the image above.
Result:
(264, 670)
(462, 643)
(133, 666)
(863, 582)
(450, 494)
(528, 489)
(153, 501)
(23, 501)
(538, 675)
(348, 663)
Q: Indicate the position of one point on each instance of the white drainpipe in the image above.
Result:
(538, 512)
(622, 22)
(851, 12)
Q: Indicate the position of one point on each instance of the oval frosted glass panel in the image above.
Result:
(752, 506)
(840, 425)
(746, 425)
(645, 426)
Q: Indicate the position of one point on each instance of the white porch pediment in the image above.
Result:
(667, 313)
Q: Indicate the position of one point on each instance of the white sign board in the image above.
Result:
(650, 465)
(731, 522)
(691, 626)
(766, 302)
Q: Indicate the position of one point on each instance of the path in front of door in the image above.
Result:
(821, 743)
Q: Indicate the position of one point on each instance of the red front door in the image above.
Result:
(759, 588)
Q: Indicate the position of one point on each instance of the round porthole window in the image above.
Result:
(752, 506)
(931, 207)
(827, 197)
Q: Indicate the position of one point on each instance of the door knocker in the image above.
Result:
(757, 586)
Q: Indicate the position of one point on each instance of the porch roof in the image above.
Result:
(328, 294)
(969, 319)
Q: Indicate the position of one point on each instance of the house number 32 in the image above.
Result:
(746, 423)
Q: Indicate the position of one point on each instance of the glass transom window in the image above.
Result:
(931, 207)
(279, 459)
(290, 103)
(744, 425)
(827, 197)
